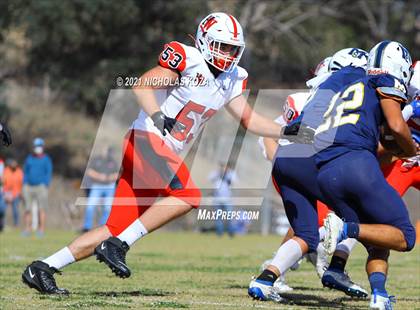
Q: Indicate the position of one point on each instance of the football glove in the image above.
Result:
(298, 132)
(5, 135)
(166, 124)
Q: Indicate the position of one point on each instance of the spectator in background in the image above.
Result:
(12, 187)
(241, 223)
(5, 135)
(37, 174)
(102, 173)
(222, 180)
(2, 202)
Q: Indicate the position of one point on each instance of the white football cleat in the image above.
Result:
(281, 286)
(263, 290)
(265, 264)
(333, 232)
(380, 302)
(321, 260)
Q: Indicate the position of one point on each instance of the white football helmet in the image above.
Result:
(348, 57)
(220, 40)
(390, 57)
(322, 67)
(321, 73)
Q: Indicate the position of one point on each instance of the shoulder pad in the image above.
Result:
(390, 87)
(173, 56)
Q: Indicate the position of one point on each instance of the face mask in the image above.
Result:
(38, 150)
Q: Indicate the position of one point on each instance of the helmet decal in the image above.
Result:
(379, 53)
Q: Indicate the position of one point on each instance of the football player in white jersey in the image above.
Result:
(155, 186)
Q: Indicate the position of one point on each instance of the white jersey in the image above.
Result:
(197, 96)
(291, 110)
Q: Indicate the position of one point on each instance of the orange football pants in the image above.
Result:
(150, 169)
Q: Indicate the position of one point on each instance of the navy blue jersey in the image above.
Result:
(314, 110)
(352, 121)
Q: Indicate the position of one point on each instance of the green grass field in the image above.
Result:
(186, 270)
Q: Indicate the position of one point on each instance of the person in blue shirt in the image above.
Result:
(349, 174)
(102, 173)
(37, 175)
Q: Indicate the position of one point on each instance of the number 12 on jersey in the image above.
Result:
(350, 99)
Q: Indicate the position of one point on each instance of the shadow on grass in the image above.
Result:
(313, 301)
(240, 286)
(141, 292)
(302, 288)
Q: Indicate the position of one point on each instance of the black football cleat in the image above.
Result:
(112, 252)
(39, 275)
(341, 281)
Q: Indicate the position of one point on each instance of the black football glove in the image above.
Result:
(5, 135)
(165, 123)
(299, 133)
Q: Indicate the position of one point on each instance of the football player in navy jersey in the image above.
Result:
(349, 174)
(295, 175)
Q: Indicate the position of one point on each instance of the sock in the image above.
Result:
(132, 233)
(351, 230)
(337, 263)
(60, 259)
(288, 254)
(346, 245)
(267, 276)
(377, 282)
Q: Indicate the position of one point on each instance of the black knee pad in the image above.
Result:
(377, 253)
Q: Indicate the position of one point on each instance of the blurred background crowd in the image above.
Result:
(60, 59)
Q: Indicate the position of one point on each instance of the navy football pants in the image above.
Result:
(295, 174)
(356, 189)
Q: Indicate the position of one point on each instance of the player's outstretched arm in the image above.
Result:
(271, 146)
(148, 83)
(239, 108)
(399, 129)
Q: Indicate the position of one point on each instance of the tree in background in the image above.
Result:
(74, 50)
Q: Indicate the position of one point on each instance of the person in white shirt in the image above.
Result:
(222, 180)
